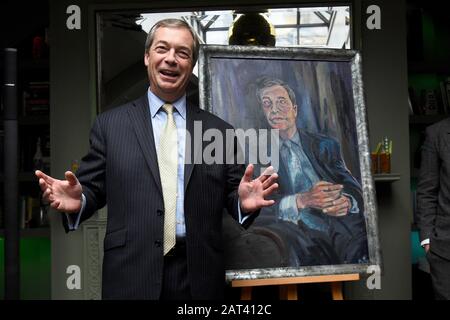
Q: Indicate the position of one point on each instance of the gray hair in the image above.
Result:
(267, 82)
(173, 23)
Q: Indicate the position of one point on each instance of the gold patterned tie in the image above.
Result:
(168, 167)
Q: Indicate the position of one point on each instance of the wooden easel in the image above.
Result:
(288, 286)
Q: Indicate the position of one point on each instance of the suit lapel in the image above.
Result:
(142, 124)
(312, 153)
(193, 144)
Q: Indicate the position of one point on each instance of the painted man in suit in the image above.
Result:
(433, 201)
(126, 169)
(320, 207)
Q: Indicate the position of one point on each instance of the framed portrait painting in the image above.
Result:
(306, 109)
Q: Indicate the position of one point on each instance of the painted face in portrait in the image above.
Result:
(279, 110)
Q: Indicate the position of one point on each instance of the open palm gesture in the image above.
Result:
(62, 195)
(253, 192)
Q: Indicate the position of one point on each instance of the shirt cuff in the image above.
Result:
(424, 242)
(241, 218)
(354, 208)
(288, 209)
(73, 219)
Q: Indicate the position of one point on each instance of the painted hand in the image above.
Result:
(339, 207)
(325, 196)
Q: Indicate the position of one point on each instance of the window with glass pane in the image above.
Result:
(283, 16)
(286, 37)
(217, 37)
(327, 27)
(313, 36)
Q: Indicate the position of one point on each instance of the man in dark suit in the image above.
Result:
(320, 207)
(433, 205)
(164, 229)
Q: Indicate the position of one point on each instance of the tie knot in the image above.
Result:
(168, 108)
(287, 143)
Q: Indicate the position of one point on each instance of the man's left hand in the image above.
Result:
(253, 193)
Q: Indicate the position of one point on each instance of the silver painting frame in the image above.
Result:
(273, 55)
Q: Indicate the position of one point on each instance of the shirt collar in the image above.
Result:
(295, 139)
(156, 103)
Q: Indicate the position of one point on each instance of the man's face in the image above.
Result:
(169, 62)
(278, 108)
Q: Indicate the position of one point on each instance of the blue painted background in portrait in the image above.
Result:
(323, 91)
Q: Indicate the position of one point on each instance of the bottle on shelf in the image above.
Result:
(385, 156)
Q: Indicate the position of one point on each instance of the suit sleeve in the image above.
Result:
(234, 173)
(343, 176)
(91, 174)
(428, 186)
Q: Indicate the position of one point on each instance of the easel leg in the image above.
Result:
(246, 293)
(336, 290)
(288, 292)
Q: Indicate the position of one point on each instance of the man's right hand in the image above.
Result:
(62, 195)
(426, 247)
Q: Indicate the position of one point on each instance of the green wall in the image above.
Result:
(34, 268)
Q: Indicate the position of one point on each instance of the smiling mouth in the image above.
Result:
(169, 73)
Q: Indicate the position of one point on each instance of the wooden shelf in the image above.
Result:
(386, 177)
(43, 232)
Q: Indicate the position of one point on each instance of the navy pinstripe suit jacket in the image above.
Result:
(121, 171)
